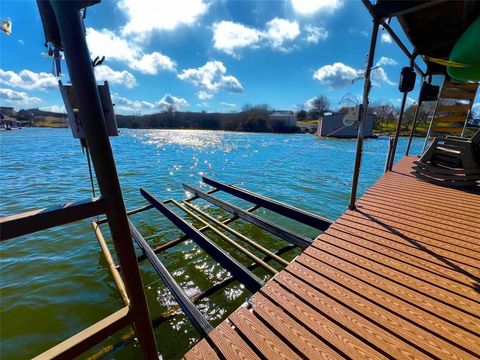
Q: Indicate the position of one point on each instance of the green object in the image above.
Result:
(467, 51)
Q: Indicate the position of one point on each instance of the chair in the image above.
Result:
(451, 161)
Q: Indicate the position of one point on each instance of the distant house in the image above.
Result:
(332, 126)
(5, 110)
(286, 118)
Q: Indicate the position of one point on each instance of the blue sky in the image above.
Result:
(207, 55)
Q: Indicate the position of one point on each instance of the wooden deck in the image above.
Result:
(397, 278)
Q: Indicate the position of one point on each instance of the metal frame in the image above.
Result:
(299, 240)
(415, 118)
(306, 217)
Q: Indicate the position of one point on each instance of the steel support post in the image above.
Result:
(391, 159)
(364, 111)
(69, 19)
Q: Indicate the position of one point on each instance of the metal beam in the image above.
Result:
(250, 280)
(289, 211)
(415, 118)
(89, 337)
(188, 307)
(80, 69)
(387, 9)
(394, 36)
(299, 240)
(41, 219)
(225, 238)
(363, 113)
(239, 235)
(397, 132)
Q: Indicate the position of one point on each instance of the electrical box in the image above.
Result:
(73, 113)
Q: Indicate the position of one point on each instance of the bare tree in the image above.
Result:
(320, 105)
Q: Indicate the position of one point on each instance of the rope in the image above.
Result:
(449, 63)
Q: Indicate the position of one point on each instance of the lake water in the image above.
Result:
(55, 283)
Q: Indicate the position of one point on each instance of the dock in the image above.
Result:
(398, 277)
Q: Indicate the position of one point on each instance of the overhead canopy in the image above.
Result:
(433, 27)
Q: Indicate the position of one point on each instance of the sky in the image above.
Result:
(208, 55)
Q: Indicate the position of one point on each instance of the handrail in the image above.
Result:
(45, 218)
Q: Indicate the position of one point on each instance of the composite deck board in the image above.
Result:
(399, 277)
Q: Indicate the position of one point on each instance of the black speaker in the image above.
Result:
(429, 92)
(407, 80)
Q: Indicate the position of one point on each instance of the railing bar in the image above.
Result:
(188, 307)
(183, 238)
(299, 240)
(41, 219)
(250, 280)
(149, 206)
(228, 240)
(289, 211)
(111, 264)
(89, 337)
(239, 235)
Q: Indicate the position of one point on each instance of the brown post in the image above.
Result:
(84, 85)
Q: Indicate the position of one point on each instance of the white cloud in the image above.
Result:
(105, 73)
(21, 42)
(172, 103)
(229, 105)
(55, 108)
(315, 33)
(278, 31)
(337, 75)
(476, 107)
(386, 38)
(124, 105)
(309, 7)
(211, 78)
(379, 77)
(229, 36)
(203, 95)
(386, 61)
(152, 63)
(146, 16)
(117, 48)
(29, 80)
(18, 97)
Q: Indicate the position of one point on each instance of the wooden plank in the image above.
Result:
(415, 272)
(41, 219)
(435, 241)
(343, 315)
(453, 108)
(450, 119)
(408, 293)
(381, 234)
(462, 86)
(438, 327)
(201, 351)
(458, 94)
(457, 130)
(267, 343)
(299, 337)
(405, 254)
(461, 238)
(354, 347)
(407, 331)
(230, 344)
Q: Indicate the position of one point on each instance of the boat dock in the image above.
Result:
(398, 277)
